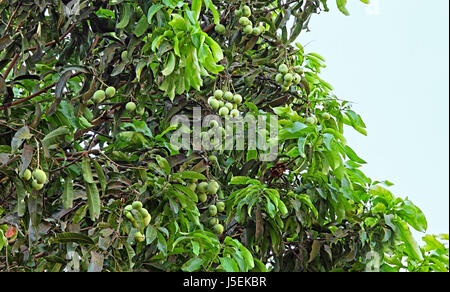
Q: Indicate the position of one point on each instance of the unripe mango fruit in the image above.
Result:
(37, 186)
(224, 111)
(248, 29)
(234, 113)
(218, 94)
(218, 228)
(99, 96)
(220, 207)
(139, 237)
(202, 197)
(39, 176)
(212, 210)
(192, 186)
(283, 69)
(213, 221)
(326, 116)
(202, 187)
(237, 98)
(131, 106)
(220, 28)
(228, 96)
(244, 21)
(27, 175)
(110, 92)
(310, 120)
(213, 187)
(147, 220)
(137, 205)
(246, 11)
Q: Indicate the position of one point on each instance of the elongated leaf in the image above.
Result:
(68, 193)
(187, 191)
(191, 175)
(93, 201)
(170, 65)
(239, 180)
(101, 175)
(87, 170)
(52, 137)
(162, 162)
(196, 8)
(126, 14)
(151, 12)
(341, 5)
(411, 245)
(141, 26)
(69, 237)
(192, 265)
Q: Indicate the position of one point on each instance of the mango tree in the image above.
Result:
(89, 178)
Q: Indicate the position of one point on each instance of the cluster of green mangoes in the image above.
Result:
(247, 26)
(38, 176)
(203, 189)
(225, 103)
(213, 222)
(139, 217)
(288, 76)
(100, 95)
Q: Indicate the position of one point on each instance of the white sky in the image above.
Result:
(392, 60)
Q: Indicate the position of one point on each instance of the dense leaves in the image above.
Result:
(87, 97)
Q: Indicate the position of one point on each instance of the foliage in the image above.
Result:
(312, 209)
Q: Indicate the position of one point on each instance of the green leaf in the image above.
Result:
(101, 175)
(432, 243)
(80, 214)
(93, 201)
(69, 237)
(239, 180)
(162, 162)
(21, 135)
(87, 170)
(67, 198)
(141, 26)
(196, 7)
(187, 191)
(247, 256)
(3, 240)
(170, 65)
(341, 5)
(229, 265)
(353, 156)
(192, 265)
(152, 11)
(411, 245)
(126, 14)
(52, 137)
(187, 174)
(150, 234)
(215, 48)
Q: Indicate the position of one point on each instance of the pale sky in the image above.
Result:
(392, 60)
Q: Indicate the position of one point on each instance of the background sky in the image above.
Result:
(392, 60)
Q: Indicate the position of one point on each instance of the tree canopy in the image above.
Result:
(91, 181)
